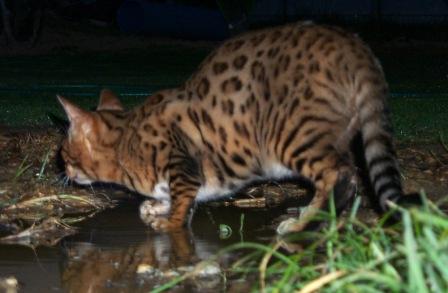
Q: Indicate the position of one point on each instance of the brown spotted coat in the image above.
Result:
(279, 102)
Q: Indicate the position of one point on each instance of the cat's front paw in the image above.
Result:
(150, 209)
(163, 225)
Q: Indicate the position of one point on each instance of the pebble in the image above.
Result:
(171, 274)
(9, 285)
(210, 269)
(145, 269)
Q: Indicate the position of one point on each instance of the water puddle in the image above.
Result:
(115, 252)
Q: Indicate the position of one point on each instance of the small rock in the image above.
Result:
(9, 285)
(185, 269)
(170, 274)
(145, 269)
(208, 270)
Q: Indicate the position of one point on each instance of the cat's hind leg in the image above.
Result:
(330, 173)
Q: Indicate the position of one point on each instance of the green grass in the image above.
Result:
(350, 256)
(420, 118)
(415, 70)
(28, 85)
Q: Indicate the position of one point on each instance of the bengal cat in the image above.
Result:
(280, 102)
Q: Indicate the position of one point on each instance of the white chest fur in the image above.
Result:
(161, 191)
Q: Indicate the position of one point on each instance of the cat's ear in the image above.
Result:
(80, 119)
(74, 113)
(109, 101)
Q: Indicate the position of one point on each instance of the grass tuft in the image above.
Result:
(350, 256)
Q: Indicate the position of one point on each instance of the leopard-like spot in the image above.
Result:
(230, 106)
(256, 40)
(275, 36)
(208, 121)
(258, 71)
(273, 52)
(154, 100)
(308, 93)
(222, 134)
(220, 67)
(313, 67)
(284, 63)
(239, 62)
(203, 88)
(234, 45)
(147, 127)
(231, 85)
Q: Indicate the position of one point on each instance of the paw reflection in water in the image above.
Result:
(141, 267)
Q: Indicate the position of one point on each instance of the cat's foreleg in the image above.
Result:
(181, 203)
(184, 184)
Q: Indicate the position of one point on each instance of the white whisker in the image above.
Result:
(91, 188)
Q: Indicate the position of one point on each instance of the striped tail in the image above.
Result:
(376, 131)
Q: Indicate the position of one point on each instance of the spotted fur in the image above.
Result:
(285, 101)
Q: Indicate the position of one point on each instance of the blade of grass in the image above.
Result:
(442, 141)
(241, 228)
(374, 279)
(22, 168)
(433, 253)
(261, 247)
(44, 165)
(416, 279)
(389, 269)
(433, 280)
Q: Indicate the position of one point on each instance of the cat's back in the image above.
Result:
(279, 62)
(264, 88)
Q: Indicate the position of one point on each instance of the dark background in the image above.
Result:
(27, 18)
(136, 47)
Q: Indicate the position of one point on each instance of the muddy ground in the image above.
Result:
(38, 206)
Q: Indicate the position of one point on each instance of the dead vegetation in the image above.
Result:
(36, 204)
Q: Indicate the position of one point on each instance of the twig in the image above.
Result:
(442, 142)
(436, 158)
(35, 201)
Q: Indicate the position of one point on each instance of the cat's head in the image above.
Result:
(89, 150)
